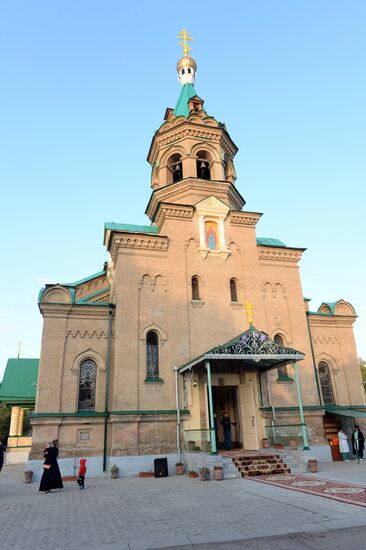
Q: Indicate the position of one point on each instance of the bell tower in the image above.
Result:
(191, 154)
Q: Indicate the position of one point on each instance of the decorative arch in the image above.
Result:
(157, 328)
(57, 295)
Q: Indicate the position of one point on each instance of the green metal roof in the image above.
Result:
(86, 279)
(111, 226)
(19, 377)
(186, 93)
(267, 241)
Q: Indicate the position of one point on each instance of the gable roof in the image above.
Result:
(17, 385)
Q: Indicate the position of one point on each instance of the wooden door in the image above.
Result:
(248, 417)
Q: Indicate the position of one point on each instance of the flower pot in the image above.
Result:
(279, 446)
(192, 474)
(146, 474)
(218, 473)
(114, 475)
(28, 476)
(179, 469)
(265, 443)
(293, 444)
(313, 465)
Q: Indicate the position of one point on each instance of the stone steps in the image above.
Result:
(257, 465)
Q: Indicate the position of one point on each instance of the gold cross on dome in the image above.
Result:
(249, 311)
(184, 35)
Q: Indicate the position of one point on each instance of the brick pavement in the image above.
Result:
(134, 513)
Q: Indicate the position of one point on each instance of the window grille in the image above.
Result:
(152, 354)
(325, 383)
(87, 383)
(282, 372)
(195, 289)
(233, 291)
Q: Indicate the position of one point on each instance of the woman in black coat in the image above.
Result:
(51, 478)
(358, 442)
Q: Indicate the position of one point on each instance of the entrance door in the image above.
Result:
(225, 399)
(248, 417)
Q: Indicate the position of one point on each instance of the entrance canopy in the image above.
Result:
(353, 413)
(253, 350)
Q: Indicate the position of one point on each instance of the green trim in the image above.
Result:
(333, 408)
(92, 414)
(152, 379)
(284, 379)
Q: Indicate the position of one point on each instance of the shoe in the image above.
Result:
(346, 460)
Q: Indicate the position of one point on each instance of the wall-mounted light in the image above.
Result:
(194, 383)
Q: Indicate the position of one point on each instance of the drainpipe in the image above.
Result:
(314, 362)
(303, 425)
(273, 420)
(108, 361)
(210, 405)
(178, 412)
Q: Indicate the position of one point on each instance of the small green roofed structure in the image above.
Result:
(18, 390)
(18, 385)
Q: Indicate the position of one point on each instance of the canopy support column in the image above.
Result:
(303, 425)
(210, 406)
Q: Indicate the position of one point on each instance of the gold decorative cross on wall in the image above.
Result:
(249, 311)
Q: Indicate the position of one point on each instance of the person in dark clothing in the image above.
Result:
(225, 422)
(1, 455)
(51, 477)
(81, 475)
(358, 443)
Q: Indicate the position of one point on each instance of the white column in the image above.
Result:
(14, 421)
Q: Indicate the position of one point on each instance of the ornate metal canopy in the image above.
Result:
(253, 350)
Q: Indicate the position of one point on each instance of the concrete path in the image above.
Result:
(137, 514)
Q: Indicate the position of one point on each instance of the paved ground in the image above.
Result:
(136, 514)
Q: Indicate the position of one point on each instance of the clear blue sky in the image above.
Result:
(85, 84)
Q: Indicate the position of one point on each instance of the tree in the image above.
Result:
(362, 364)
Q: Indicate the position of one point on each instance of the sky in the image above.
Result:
(84, 86)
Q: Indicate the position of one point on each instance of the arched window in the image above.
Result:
(203, 165)
(282, 372)
(212, 237)
(87, 382)
(195, 288)
(152, 354)
(325, 383)
(233, 290)
(176, 168)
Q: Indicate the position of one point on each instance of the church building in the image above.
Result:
(193, 315)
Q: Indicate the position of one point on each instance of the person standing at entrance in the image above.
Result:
(1, 455)
(358, 443)
(225, 422)
(343, 445)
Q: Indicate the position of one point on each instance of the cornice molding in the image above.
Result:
(222, 190)
(152, 243)
(98, 334)
(291, 255)
(246, 219)
(174, 212)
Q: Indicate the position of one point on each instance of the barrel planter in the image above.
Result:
(313, 465)
(28, 476)
(218, 473)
